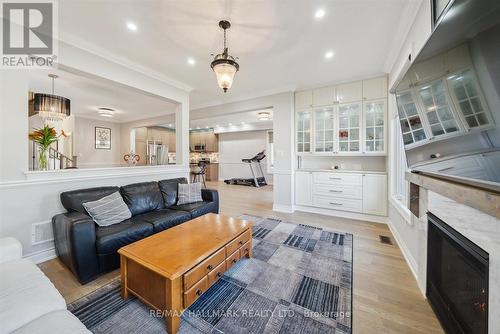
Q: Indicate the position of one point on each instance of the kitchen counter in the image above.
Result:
(339, 171)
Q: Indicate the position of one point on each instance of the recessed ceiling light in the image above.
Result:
(191, 61)
(230, 124)
(131, 26)
(242, 123)
(319, 14)
(329, 55)
(216, 125)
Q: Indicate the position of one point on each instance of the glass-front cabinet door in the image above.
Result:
(409, 118)
(374, 114)
(465, 90)
(349, 128)
(324, 130)
(303, 131)
(438, 109)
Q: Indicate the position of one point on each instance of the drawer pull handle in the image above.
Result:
(210, 267)
(241, 242)
(199, 292)
(234, 260)
(336, 191)
(335, 203)
(219, 274)
(335, 178)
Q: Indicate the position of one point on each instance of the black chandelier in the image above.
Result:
(225, 65)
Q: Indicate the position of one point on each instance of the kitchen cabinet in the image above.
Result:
(375, 133)
(303, 99)
(349, 92)
(303, 188)
(208, 139)
(212, 172)
(353, 122)
(375, 194)
(363, 193)
(375, 88)
(324, 96)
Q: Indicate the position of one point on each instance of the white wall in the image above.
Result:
(283, 129)
(88, 155)
(27, 197)
(235, 146)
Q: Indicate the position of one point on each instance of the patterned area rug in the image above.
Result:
(298, 281)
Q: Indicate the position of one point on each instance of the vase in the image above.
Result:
(43, 153)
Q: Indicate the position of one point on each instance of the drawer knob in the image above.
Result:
(335, 203)
(199, 292)
(246, 250)
(219, 274)
(210, 267)
(335, 178)
(241, 242)
(234, 260)
(336, 191)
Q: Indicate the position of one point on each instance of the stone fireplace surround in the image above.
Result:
(479, 227)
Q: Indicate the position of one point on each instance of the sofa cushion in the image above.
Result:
(163, 219)
(108, 210)
(142, 197)
(197, 209)
(61, 321)
(189, 193)
(25, 294)
(111, 238)
(169, 190)
(73, 200)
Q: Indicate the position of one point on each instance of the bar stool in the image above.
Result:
(199, 172)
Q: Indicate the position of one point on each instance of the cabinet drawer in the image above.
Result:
(202, 269)
(344, 204)
(245, 249)
(338, 191)
(237, 242)
(192, 294)
(217, 273)
(338, 178)
(232, 259)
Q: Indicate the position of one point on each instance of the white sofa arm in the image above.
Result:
(10, 249)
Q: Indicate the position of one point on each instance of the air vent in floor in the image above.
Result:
(385, 239)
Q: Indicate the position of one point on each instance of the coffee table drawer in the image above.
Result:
(245, 249)
(202, 269)
(196, 291)
(237, 242)
(232, 259)
(217, 273)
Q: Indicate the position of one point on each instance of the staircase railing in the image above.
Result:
(56, 158)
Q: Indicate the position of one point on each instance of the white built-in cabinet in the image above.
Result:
(347, 119)
(364, 193)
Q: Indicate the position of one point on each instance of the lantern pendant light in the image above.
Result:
(225, 65)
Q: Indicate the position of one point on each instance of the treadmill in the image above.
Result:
(255, 166)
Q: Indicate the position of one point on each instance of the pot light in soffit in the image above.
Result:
(225, 65)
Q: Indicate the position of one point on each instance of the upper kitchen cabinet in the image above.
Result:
(303, 131)
(375, 115)
(375, 88)
(304, 99)
(349, 92)
(324, 96)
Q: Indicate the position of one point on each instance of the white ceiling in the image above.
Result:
(88, 94)
(280, 45)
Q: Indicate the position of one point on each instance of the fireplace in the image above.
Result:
(457, 279)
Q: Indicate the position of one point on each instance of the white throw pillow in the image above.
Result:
(108, 210)
(189, 193)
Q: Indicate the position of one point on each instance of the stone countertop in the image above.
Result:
(480, 199)
(339, 171)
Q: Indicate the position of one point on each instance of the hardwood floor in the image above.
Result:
(386, 296)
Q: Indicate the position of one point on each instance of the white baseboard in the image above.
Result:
(283, 208)
(343, 214)
(42, 256)
(410, 260)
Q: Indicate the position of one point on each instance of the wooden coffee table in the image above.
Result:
(169, 270)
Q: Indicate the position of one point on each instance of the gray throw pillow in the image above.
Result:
(189, 193)
(108, 210)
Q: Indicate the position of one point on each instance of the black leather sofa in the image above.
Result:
(89, 250)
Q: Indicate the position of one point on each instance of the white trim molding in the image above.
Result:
(42, 256)
(343, 214)
(283, 208)
(410, 260)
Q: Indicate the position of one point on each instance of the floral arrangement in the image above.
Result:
(44, 137)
